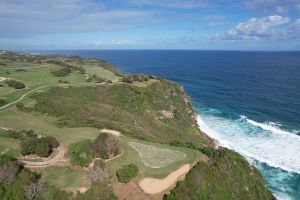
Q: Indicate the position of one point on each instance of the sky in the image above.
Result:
(150, 24)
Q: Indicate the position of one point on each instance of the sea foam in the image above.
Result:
(265, 143)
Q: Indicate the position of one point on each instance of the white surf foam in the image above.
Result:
(267, 144)
(268, 126)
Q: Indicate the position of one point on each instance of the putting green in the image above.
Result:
(156, 157)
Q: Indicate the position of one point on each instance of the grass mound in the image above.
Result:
(156, 157)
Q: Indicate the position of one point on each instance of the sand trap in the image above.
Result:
(2, 79)
(113, 132)
(155, 186)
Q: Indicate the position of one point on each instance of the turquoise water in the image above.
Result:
(247, 101)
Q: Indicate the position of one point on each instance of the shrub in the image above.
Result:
(106, 146)
(28, 146)
(126, 173)
(42, 147)
(61, 72)
(20, 105)
(15, 84)
(9, 168)
(2, 102)
(81, 153)
(1, 85)
(21, 70)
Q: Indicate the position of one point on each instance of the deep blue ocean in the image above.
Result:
(247, 101)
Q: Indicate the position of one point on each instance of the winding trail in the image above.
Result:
(61, 150)
(22, 97)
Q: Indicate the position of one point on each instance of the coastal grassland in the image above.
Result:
(65, 177)
(92, 69)
(35, 71)
(135, 111)
(227, 176)
(131, 156)
(13, 118)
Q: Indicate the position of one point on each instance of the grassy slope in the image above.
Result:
(227, 176)
(130, 109)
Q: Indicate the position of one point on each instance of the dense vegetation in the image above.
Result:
(226, 176)
(17, 183)
(127, 173)
(32, 143)
(15, 84)
(42, 147)
(2, 102)
(105, 146)
(133, 110)
(135, 78)
(81, 153)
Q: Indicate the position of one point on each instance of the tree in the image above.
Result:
(106, 146)
(81, 153)
(99, 173)
(126, 173)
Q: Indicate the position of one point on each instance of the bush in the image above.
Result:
(61, 72)
(81, 153)
(21, 70)
(1, 85)
(2, 102)
(20, 105)
(42, 147)
(106, 146)
(127, 173)
(15, 84)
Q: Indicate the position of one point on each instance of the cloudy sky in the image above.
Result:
(150, 24)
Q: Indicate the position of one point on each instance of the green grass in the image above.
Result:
(45, 125)
(131, 156)
(64, 177)
(135, 111)
(9, 145)
(156, 157)
(100, 72)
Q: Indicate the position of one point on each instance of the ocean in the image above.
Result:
(247, 101)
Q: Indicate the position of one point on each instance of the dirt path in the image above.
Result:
(58, 157)
(22, 97)
(155, 186)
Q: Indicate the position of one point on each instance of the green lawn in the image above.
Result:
(132, 156)
(9, 145)
(65, 177)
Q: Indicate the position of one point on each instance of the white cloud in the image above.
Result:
(258, 28)
(22, 18)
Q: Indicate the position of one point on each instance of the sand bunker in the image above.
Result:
(155, 186)
(113, 132)
(2, 79)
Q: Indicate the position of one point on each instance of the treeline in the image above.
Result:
(18, 183)
(105, 146)
(32, 143)
(15, 84)
(96, 79)
(65, 68)
(136, 78)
